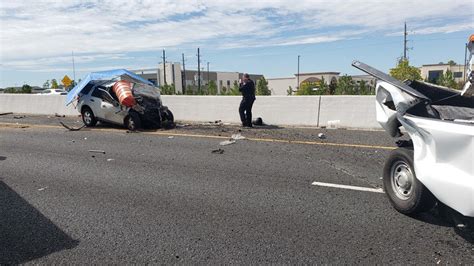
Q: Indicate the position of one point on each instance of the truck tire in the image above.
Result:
(88, 117)
(133, 121)
(407, 195)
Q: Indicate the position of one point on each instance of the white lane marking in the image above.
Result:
(376, 190)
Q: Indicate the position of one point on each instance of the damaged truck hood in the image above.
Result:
(104, 75)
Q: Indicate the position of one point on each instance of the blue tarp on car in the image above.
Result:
(103, 75)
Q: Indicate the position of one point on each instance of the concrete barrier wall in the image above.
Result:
(35, 104)
(351, 111)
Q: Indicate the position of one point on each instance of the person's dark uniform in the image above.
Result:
(248, 97)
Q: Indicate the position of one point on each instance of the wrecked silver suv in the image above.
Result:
(120, 97)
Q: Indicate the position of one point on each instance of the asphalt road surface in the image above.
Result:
(164, 197)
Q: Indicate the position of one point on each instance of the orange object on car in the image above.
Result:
(123, 90)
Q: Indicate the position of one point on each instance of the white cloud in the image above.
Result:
(35, 34)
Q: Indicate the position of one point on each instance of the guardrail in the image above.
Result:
(345, 111)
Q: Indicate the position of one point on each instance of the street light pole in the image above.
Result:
(207, 73)
(298, 75)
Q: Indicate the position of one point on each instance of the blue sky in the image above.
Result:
(37, 37)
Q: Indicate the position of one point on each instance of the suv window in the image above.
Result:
(86, 89)
(97, 93)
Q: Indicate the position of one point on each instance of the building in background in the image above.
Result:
(175, 76)
(432, 72)
(281, 86)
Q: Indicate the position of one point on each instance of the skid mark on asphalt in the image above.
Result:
(165, 133)
(366, 189)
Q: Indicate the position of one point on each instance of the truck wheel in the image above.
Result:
(88, 117)
(133, 122)
(167, 119)
(405, 192)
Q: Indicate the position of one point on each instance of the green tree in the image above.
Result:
(212, 88)
(364, 89)
(307, 88)
(10, 90)
(289, 92)
(262, 87)
(54, 84)
(189, 90)
(167, 89)
(235, 89)
(46, 84)
(332, 86)
(447, 80)
(25, 89)
(451, 63)
(345, 86)
(223, 90)
(404, 71)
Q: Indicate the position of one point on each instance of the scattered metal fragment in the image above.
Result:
(237, 136)
(97, 151)
(321, 136)
(171, 137)
(110, 159)
(218, 151)
(41, 189)
(71, 128)
(19, 117)
(227, 142)
(9, 113)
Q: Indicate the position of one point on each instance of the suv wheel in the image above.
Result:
(132, 121)
(88, 117)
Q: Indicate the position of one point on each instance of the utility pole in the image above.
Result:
(465, 63)
(164, 67)
(184, 76)
(298, 74)
(199, 71)
(405, 48)
(207, 73)
(73, 69)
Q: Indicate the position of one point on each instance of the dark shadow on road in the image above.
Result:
(26, 234)
(443, 215)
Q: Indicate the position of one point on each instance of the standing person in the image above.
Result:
(247, 88)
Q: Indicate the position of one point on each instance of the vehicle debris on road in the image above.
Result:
(321, 136)
(218, 151)
(41, 189)
(19, 117)
(227, 142)
(97, 151)
(237, 136)
(71, 128)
